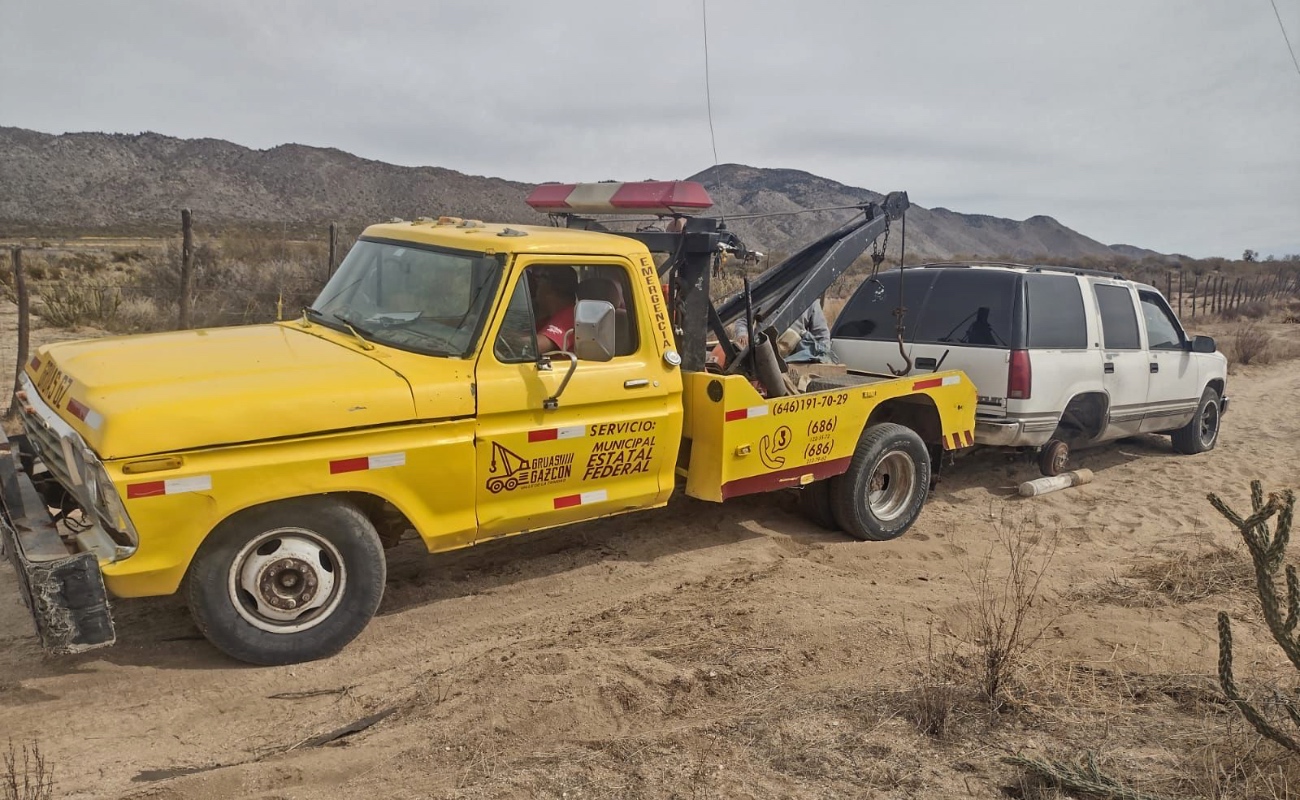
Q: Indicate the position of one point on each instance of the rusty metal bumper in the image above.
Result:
(63, 590)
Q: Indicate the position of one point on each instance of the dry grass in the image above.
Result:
(1007, 619)
(1251, 344)
(1187, 577)
(27, 775)
(237, 280)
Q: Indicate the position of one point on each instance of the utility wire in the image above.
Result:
(1285, 38)
(708, 92)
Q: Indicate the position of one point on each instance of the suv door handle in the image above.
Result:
(1155, 366)
(1109, 368)
(927, 363)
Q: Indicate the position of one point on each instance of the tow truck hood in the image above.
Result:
(136, 395)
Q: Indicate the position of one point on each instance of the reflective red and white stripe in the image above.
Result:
(198, 483)
(92, 418)
(747, 413)
(931, 383)
(586, 498)
(958, 440)
(666, 197)
(363, 463)
(551, 434)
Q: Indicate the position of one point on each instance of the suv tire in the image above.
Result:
(1202, 433)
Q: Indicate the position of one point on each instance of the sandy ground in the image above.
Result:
(697, 651)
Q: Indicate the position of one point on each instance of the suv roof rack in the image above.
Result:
(1029, 267)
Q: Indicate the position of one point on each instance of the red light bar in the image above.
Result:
(656, 197)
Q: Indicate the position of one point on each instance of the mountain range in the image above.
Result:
(112, 182)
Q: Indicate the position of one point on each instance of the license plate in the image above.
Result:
(53, 385)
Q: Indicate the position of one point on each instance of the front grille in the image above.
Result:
(49, 448)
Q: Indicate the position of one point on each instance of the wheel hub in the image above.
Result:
(286, 580)
(288, 583)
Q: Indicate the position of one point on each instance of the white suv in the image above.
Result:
(1061, 357)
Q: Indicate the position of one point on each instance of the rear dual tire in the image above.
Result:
(881, 494)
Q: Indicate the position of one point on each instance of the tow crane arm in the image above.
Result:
(781, 293)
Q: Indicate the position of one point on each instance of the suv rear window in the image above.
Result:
(1055, 313)
(869, 314)
(973, 307)
(969, 306)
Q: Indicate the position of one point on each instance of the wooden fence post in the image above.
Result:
(1196, 279)
(334, 240)
(187, 268)
(1181, 274)
(24, 321)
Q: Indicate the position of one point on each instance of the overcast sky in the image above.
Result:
(1168, 124)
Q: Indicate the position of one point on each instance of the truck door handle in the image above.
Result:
(926, 363)
(1109, 368)
(636, 383)
(1155, 366)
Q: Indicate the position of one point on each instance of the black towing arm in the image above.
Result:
(781, 294)
(63, 591)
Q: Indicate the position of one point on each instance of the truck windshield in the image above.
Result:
(408, 296)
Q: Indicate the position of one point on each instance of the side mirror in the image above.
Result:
(593, 330)
(1203, 344)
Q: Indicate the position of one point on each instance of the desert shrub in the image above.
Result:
(69, 304)
(224, 290)
(1006, 618)
(1255, 309)
(1251, 344)
(27, 775)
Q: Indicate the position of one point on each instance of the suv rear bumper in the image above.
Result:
(64, 591)
(1014, 432)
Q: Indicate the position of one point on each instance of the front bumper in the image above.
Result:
(64, 591)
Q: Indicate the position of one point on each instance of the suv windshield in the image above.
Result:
(409, 296)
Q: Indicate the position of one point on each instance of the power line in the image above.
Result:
(708, 91)
(1285, 38)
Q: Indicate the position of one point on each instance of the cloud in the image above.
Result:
(1164, 124)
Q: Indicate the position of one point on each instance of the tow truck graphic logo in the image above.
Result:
(511, 471)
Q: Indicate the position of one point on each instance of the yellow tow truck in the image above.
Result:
(263, 470)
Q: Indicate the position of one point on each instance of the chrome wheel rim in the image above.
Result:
(891, 485)
(287, 580)
(1209, 423)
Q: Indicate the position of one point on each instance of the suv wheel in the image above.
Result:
(1202, 433)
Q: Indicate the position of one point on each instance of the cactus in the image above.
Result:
(1267, 550)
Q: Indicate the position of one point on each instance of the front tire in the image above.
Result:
(1202, 433)
(882, 492)
(289, 582)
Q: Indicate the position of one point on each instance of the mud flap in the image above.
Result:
(63, 591)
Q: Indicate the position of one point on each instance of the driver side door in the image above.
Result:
(599, 452)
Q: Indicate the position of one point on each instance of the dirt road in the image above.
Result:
(697, 651)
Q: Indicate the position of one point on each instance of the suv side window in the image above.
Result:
(1055, 313)
(968, 306)
(1119, 323)
(1163, 332)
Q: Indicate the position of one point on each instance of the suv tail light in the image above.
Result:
(1020, 379)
